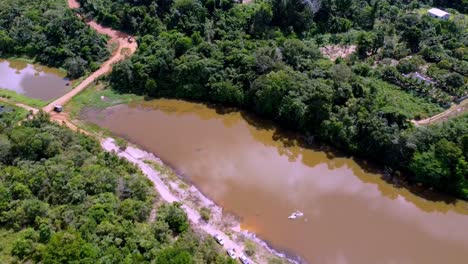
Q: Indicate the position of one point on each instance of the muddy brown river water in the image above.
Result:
(32, 80)
(262, 175)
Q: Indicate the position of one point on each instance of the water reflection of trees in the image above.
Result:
(311, 153)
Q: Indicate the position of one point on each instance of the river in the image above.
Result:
(263, 175)
(33, 80)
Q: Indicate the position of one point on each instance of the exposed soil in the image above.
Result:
(334, 52)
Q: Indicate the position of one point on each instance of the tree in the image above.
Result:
(174, 256)
(5, 147)
(412, 36)
(341, 73)
(75, 67)
(260, 19)
(66, 247)
(364, 44)
(22, 248)
(174, 216)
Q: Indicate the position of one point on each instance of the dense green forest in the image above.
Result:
(64, 200)
(264, 57)
(52, 34)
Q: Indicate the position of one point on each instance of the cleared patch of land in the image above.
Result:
(334, 52)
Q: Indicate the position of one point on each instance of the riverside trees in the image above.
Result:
(266, 59)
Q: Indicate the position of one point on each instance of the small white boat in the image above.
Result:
(295, 215)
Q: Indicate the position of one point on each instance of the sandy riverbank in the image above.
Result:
(174, 190)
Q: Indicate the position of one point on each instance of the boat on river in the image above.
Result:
(296, 214)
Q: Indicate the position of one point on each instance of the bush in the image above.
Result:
(123, 144)
(205, 214)
(174, 216)
(250, 248)
(406, 66)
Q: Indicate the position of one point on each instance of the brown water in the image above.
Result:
(32, 80)
(262, 175)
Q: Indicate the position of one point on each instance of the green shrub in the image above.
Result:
(205, 213)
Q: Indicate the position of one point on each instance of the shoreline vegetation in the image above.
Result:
(100, 96)
(254, 57)
(257, 58)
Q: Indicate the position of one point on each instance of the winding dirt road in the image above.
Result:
(455, 110)
(123, 50)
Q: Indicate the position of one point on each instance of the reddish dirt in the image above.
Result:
(116, 37)
(64, 119)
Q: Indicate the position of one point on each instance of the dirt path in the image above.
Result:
(116, 37)
(27, 107)
(455, 110)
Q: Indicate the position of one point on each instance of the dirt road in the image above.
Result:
(27, 107)
(455, 110)
(116, 37)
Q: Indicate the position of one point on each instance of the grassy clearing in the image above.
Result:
(7, 239)
(98, 96)
(393, 98)
(19, 98)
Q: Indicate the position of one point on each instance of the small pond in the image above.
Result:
(33, 80)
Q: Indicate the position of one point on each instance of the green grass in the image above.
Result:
(205, 213)
(22, 59)
(91, 97)
(7, 238)
(19, 98)
(393, 98)
(17, 115)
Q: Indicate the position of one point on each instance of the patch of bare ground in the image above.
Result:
(334, 52)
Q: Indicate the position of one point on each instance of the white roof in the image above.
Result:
(438, 12)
